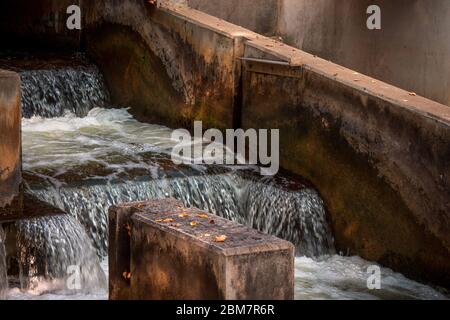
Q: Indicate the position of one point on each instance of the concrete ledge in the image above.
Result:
(10, 122)
(177, 253)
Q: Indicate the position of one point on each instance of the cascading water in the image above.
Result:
(298, 216)
(83, 159)
(52, 93)
(3, 268)
(60, 249)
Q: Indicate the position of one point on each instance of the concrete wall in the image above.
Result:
(41, 23)
(258, 15)
(172, 70)
(411, 51)
(10, 117)
(379, 156)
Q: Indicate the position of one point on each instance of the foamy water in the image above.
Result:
(59, 143)
(345, 278)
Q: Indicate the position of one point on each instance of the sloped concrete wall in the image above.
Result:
(10, 120)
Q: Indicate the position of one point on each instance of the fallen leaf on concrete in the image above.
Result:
(193, 223)
(221, 238)
(126, 275)
(159, 220)
(183, 215)
(168, 220)
(413, 94)
(203, 215)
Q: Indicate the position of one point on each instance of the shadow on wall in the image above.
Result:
(411, 51)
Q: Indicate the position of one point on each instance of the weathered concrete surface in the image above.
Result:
(411, 51)
(42, 23)
(173, 69)
(258, 15)
(10, 115)
(175, 255)
(378, 155)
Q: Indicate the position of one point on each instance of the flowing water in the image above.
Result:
(3, 269)
(84, 158)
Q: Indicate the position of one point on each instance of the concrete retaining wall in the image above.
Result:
(378, 154)
(411, 51)
(10, 120)
(172, 69)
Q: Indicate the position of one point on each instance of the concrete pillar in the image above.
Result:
(179, 253)
(10, 138)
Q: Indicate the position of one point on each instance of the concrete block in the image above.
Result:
(10, 122)
(188, 254)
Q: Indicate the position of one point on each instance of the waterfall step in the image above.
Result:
(26, 206)
(161, 250)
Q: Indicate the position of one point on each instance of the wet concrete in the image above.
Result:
(26, 206)
(186, 253)
(10, 117)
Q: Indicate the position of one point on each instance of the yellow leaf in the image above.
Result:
(168, 220)
(126, 275)
(183, 215)
(193, 223)
(203, 215)
(221, 238)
